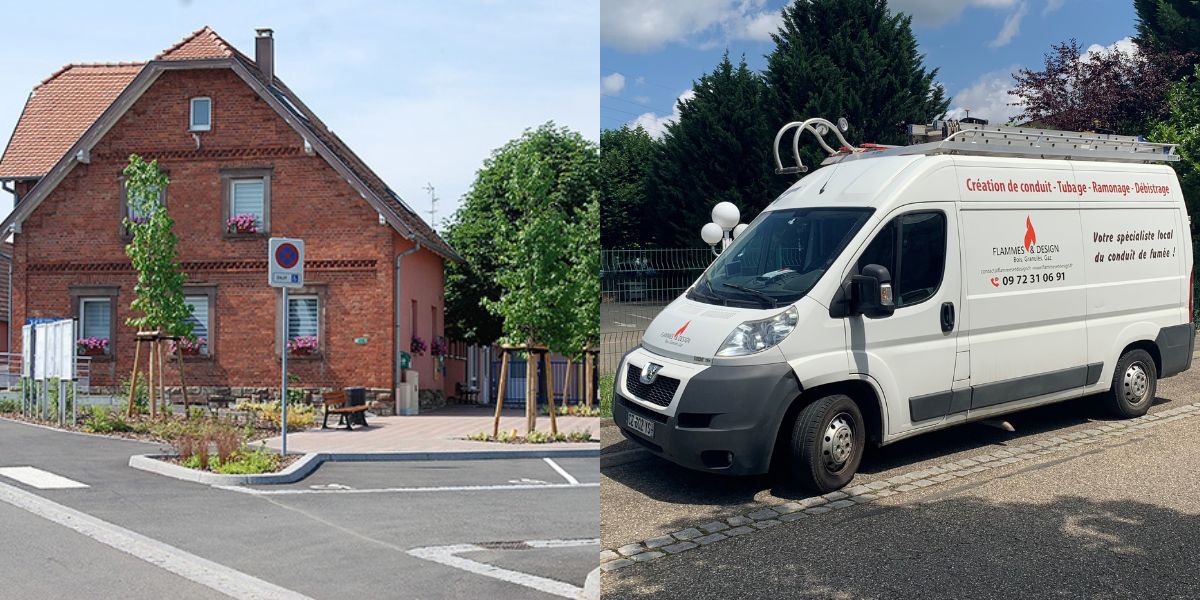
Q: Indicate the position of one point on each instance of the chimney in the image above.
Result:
(264, 53)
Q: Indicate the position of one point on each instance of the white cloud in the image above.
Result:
(646, 25)
(1011, 27)
(641, 80)
(611, 85)
(1052, 5)
(934, 13)
(987, 98)
(1124, 45)
(656, 125)
(642, 99)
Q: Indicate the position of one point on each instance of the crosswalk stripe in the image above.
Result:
(42, 480)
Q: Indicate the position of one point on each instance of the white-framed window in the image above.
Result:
(304, 316)
(201, 114)
(199, 320)
(131, 211)
(95, 318)
(248, 197)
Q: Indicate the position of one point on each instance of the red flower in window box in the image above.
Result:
(92, 346)
(305, 345)
(187, 346)
(245, 223)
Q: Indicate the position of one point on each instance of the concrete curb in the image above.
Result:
(309, 462)
(293, 473)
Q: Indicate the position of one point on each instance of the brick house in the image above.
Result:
(234, 140)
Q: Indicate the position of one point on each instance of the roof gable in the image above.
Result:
(202, 43)
(205, 49)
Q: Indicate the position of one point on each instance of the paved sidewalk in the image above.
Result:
(440, 430)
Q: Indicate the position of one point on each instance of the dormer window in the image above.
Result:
(201, 119)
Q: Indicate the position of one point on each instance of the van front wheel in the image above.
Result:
(1134, 384)
(827, 443)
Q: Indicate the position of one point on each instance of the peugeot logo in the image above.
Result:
(650, 373)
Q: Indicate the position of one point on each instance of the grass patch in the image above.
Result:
(606, 395)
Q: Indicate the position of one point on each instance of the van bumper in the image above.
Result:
(725, 419)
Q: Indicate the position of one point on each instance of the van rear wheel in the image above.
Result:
(827, 443)
(1134, 383)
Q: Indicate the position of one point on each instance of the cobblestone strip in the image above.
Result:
(773, 515)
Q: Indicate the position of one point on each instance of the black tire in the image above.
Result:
(814, 435)
(1134, 384)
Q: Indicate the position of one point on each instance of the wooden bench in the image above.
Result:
(337, 402)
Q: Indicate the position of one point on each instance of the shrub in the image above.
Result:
(141, 396)
(228, 442)
(300, 416)
(102, 419)
(9, 406)
(606, 395)
(249, 462)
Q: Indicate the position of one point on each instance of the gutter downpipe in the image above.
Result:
(396, 320)
(8, 288)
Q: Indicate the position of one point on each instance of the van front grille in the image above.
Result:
(660, 393)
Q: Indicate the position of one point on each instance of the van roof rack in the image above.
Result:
(957, 137)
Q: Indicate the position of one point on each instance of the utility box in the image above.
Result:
(408, 398)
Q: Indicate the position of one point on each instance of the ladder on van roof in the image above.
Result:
(955, 137)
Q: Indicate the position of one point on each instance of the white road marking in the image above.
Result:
(527, 480)
(189, 566)
(42, 480)
(565, 475)
(448, 555)
(400, 490)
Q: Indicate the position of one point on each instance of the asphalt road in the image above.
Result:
(347, 531)
(1114, 519)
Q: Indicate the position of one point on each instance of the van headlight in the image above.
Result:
(756, 336)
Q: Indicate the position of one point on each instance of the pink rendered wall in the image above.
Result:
(422, 280)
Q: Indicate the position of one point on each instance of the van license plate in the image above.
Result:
(640, 424)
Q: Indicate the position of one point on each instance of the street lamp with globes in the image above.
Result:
(724, 227)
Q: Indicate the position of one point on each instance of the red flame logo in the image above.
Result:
(682, 329)
(1030, 234)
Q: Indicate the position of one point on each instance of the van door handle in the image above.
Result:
(947, 316)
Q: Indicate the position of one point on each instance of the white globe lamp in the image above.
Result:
(711, 234)
(739, 229)
(726, 215)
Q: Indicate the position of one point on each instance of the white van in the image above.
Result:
(907, 289)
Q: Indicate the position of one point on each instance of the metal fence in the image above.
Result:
(635, 285)
(514, 388)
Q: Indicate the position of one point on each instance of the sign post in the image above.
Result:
(285, 269)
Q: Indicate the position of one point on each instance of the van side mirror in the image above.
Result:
(871, 292)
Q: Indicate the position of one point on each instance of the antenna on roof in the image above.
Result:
(433, 200)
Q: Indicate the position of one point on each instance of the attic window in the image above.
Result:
(201, 119)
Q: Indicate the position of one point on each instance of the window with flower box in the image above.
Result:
(246, 202)
(95, 310)
(305, 335)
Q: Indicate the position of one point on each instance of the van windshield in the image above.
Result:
(780, 257)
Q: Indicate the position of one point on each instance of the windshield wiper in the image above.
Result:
(766, 297)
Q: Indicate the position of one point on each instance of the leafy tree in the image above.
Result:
(853, 59)
(1106, 90)
(627, 216)
(158, 294)
(1168, 26)
(1182, 127)
(719, 150)
(526, 231)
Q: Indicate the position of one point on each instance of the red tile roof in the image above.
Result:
(202, 43)
(58, 111)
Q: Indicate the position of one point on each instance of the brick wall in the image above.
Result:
(74, 239)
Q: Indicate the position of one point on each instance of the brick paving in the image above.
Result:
(440, 430)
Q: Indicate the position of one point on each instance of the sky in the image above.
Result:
(422, 90)
(652, 50)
